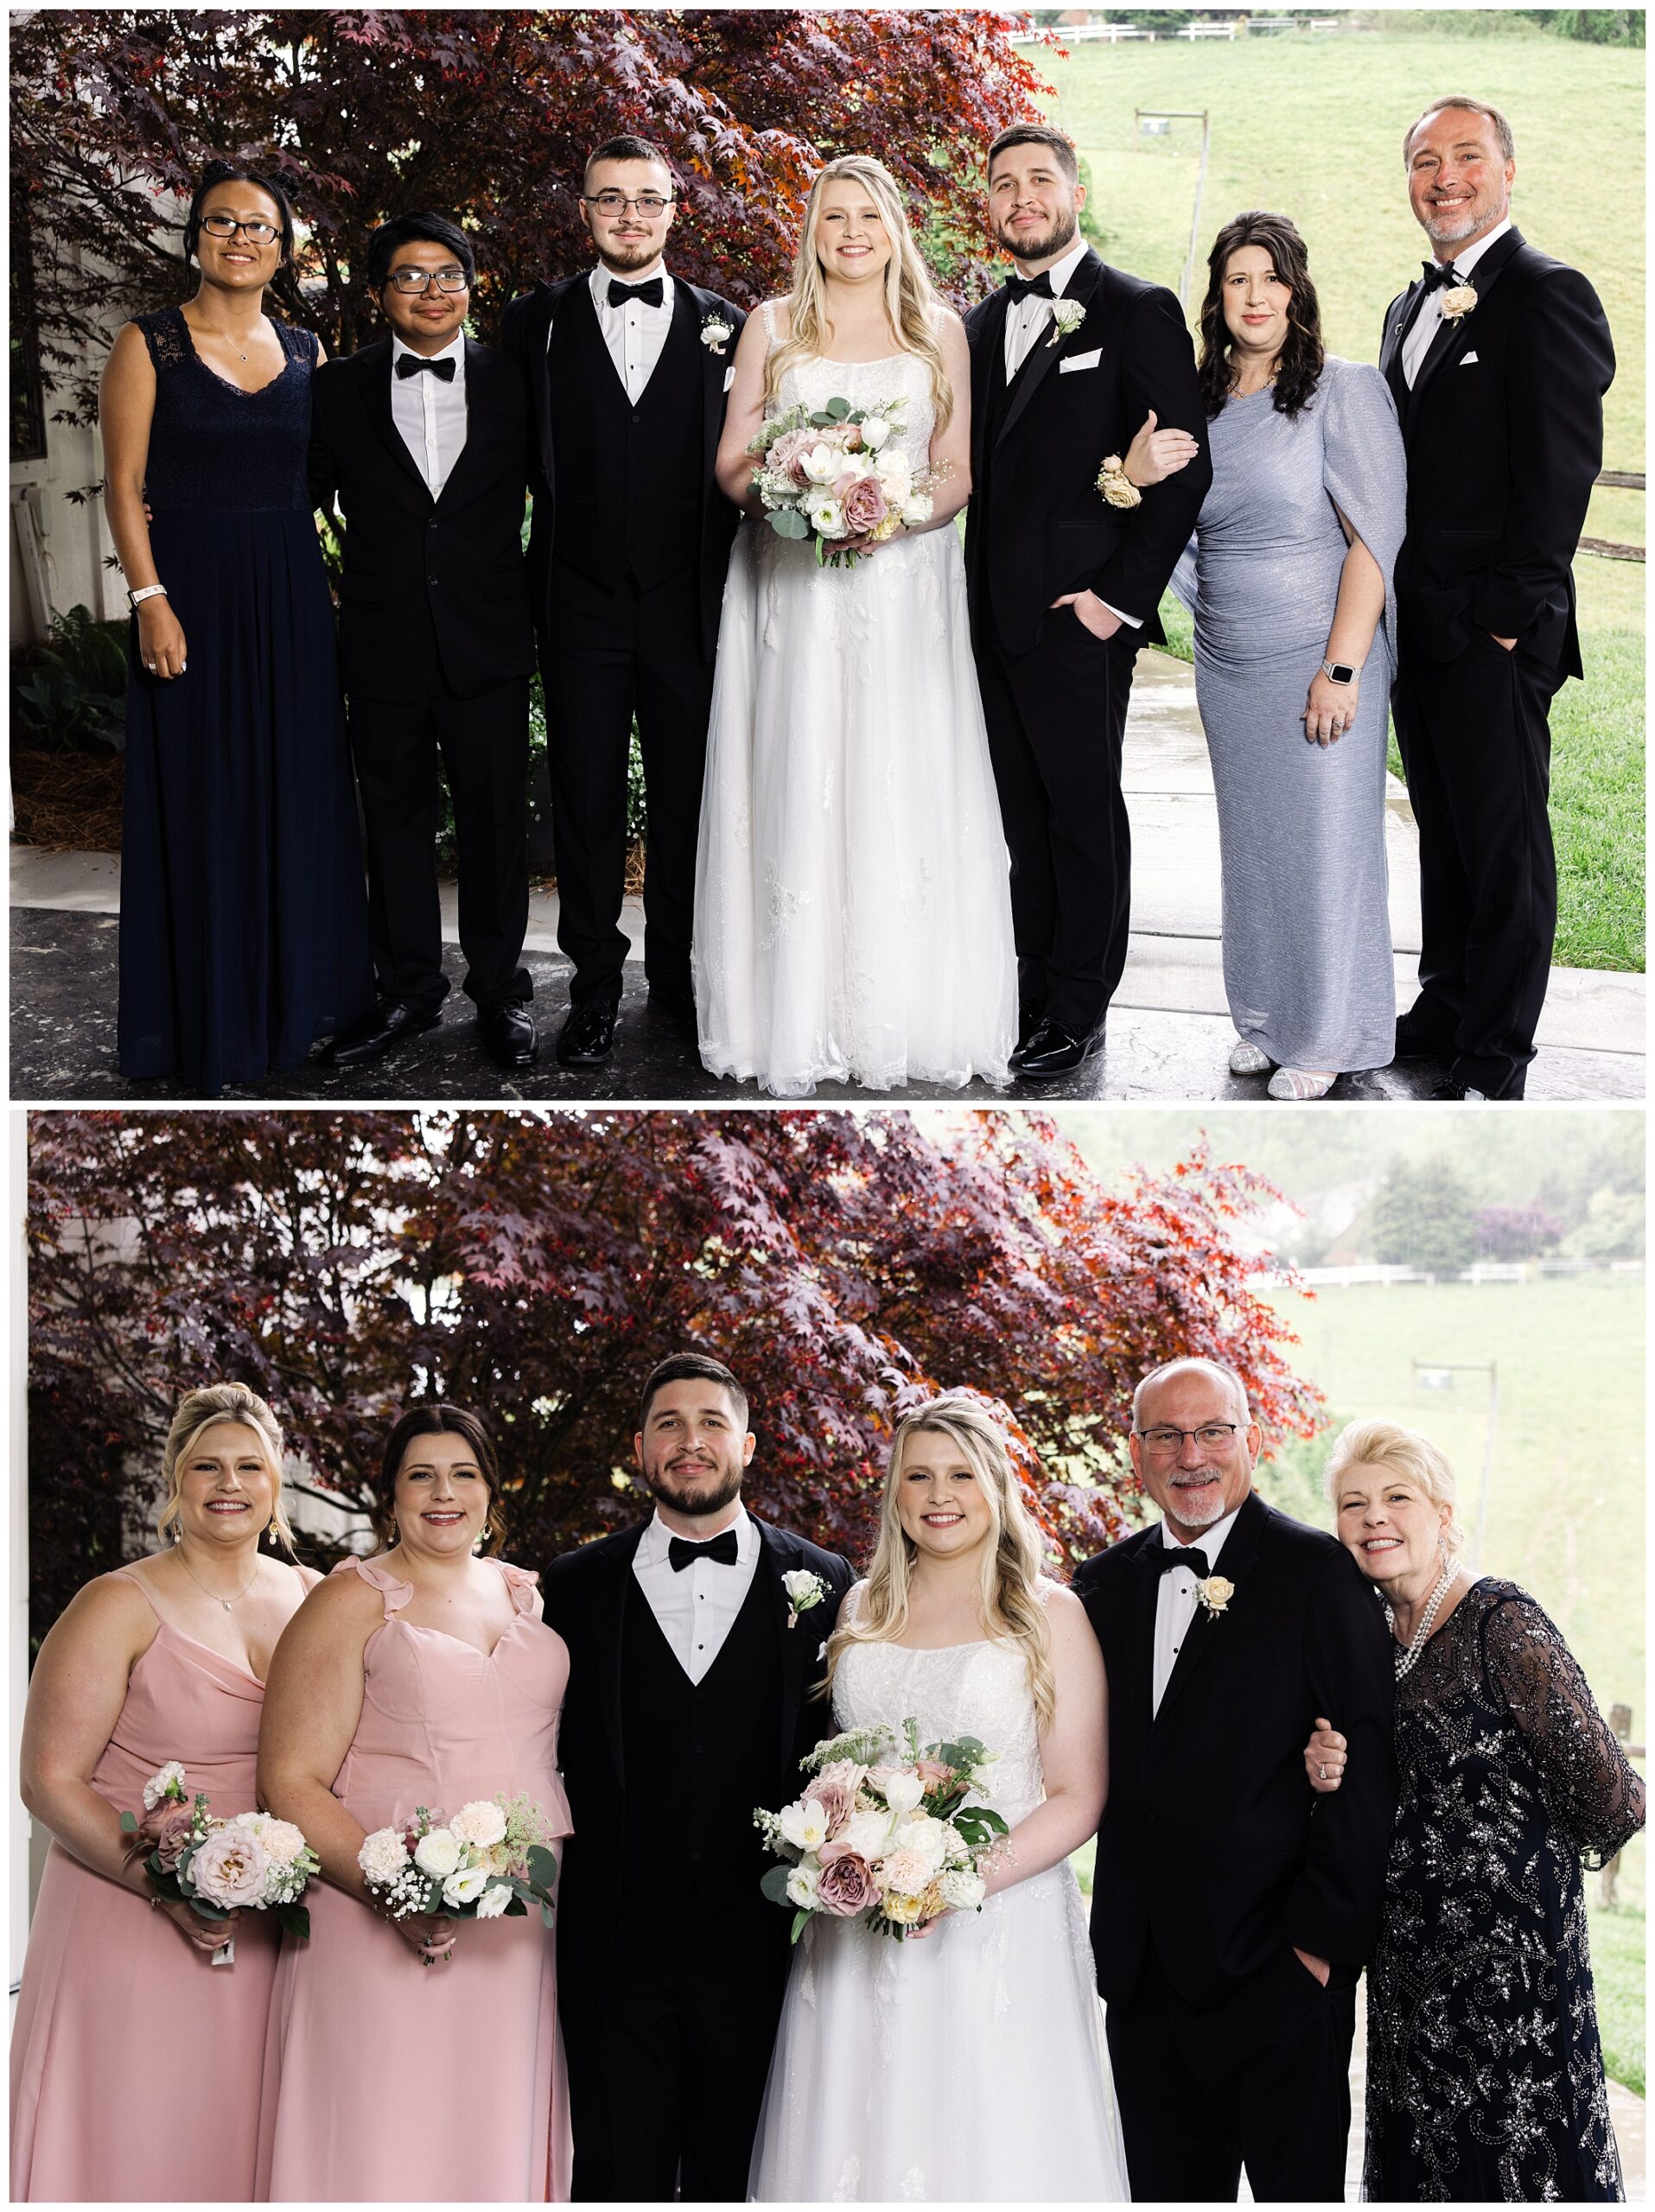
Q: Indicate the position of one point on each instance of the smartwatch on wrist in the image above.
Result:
(1339, 671)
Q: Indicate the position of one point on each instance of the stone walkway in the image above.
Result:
(1169, 1032)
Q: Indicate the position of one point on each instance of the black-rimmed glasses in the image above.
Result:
(616, 203)
(1212, 1435)
(421, 280)
(225, 226)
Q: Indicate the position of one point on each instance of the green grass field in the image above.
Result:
(1313, 127)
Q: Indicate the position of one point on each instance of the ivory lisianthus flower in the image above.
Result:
(802, 1886)
(169, 1783)
(493, 1901)
(466, 1884)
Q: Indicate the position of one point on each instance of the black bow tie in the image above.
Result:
(649, 296)
(410, 365)
(1438, 273)
(681, 1552)
(1176, 1555)
(1020, 287)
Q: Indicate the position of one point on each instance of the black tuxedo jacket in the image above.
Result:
(428, 584)
(524, 330)
(1050, 531)
(1213, 1845)
(585, 1593)
(1503, 429)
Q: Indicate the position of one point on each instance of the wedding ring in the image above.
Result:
(151, 666)
(1322, 1773)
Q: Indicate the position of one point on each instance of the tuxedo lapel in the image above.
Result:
(695, 308)
(376, 370)
(1142, 1596)
(988, 366)
(480, 369)
(609, 1606)
(1047, 350)
(1396, 329)
(776, 1556)
(1240, 1549)
(1454, 339)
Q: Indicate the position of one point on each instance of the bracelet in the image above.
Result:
(1116, 486)
(145, 591)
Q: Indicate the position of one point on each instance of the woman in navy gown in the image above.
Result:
(244, 913)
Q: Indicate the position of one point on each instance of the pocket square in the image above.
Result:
(1081, 361)
(1466, 360)
(730, 378)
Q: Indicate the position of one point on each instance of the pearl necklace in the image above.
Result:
(1408, 1660)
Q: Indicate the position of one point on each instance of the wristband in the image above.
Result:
(145, 591)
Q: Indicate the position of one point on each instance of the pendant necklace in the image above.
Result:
(226, 1602)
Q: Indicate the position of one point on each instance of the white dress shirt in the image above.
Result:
(1175, 1601)
(1429, 321)
(634, 333)
(430, 414)
(695, 1606)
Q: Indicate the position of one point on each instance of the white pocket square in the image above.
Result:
(730, 378)
(1466, 360)
(1081, 361)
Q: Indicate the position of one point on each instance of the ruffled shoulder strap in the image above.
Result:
(522, 1586)
(396, 1594)
(767, 310)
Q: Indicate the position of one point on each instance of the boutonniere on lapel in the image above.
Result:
(1458, 301)
(1067, 315)
(1215, 1593)
(1116, 486)
(804, 1590)
(715, 333)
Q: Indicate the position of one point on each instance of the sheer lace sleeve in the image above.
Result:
(1596, 1797)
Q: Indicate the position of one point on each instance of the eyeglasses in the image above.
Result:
(648, 204)
(1212, 1435)
(421, 280)
(225, 226)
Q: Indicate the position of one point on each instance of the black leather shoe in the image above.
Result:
(508, 1031)
(1028, 1021)
(1449, 1089)
(586, 1036)
(1053, 1050)
(376, 1033)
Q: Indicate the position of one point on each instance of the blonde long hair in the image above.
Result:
(208, 1407)
(1013, 1611)
(910, 298)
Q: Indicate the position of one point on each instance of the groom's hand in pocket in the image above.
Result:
(1312, 1964)
(1091, 612)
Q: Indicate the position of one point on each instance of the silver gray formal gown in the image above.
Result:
(1306, 932)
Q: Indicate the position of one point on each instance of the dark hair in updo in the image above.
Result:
(1298, 369)
(438, 1418)
(238, 172)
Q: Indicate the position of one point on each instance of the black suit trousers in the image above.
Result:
(668, 2052)
(1476, 745)
(1262, 2080)
(484, 745)
(605, 656)
(1056, 717)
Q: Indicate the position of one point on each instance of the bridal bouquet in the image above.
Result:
(831, 474)
(252, 1863)
(884, 1832)
(492, 1858)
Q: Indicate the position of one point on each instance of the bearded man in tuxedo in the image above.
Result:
(1498, 358)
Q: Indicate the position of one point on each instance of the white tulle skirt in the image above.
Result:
(971, 2067)
(853, 912)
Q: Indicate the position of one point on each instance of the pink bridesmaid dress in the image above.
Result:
(135, 2062)
(386, 2081)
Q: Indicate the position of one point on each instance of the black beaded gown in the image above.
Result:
(244, 905)
(1484, 2072)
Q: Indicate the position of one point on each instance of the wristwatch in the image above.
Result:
(1339, 671)
(145, 591)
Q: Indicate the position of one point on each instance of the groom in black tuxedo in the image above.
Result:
(1067, 360)
(628, 369)
(1230, 1913)
(419, 439)
(689, 1704)
(1498, 359)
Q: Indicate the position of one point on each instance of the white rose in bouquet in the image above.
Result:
(928, 1837)
(463, 1887)
(383, 1856)
(804, 1825)
(916, 508)
(437, 1853)
(866, 1833)
(482, 1822)
(874, 432)
(962, 1890)
(801, 1887)
(895, 475)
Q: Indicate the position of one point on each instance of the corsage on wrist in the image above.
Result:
(1116, 486)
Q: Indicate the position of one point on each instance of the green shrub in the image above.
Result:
(70, 695)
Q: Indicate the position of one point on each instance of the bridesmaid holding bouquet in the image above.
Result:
(422, 1677)
(122, 2018)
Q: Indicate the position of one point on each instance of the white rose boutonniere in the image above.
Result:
(1067, 315)
(1215, 1592)
(715, 334)
(1458, 301)
(804, 1590)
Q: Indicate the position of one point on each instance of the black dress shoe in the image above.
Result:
(1053, 1050)
(586, 1036)
(376, 1033)
(1449, 1089)
(508, 1031)
(1028, 1021)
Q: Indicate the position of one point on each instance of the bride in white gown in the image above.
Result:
(852, 911)
(970, 2064)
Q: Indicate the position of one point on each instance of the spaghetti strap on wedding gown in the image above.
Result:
(971, 2065)
(853, 906)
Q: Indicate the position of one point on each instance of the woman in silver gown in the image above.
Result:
(1288, 578)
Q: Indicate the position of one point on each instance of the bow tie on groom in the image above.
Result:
(649, 296)
(1019, 288)
(681, 1552)
(412, 365)
(1196, 1560)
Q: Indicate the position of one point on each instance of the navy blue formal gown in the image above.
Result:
(244, 907)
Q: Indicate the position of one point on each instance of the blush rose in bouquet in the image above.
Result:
(492, 1858)
(249, 1863)
(834, 476)
(886, 1832)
